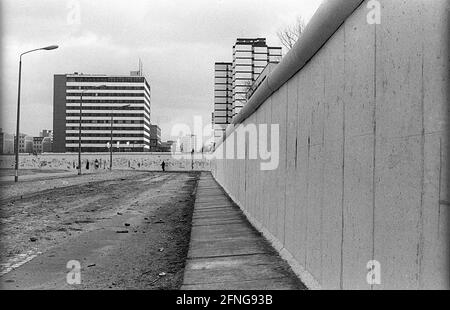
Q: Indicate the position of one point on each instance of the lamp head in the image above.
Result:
(51, 47)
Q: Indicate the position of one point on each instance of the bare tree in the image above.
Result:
(290, 35)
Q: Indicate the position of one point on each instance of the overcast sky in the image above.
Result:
(178, 42)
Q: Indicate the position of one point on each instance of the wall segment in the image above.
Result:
(363, 174)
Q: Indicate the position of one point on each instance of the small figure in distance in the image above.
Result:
(163, 166)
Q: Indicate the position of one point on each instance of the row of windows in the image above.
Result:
(105, 79)
(105, 101)
(222, 106)
(105, 122)
(243, 75)
(102, 149)
(125, 135)
(222, 93)
(222, 113)
(242, 82)
(106, 94)
(147, 132)
(110, 88)
(106, 114)
(222, 100)
(222, 67)
(224, 76)
(246, 49)
(104, 142)
(128, 79)
(107, 87)
(145, 94)
(240, 89)
(223, 79)
(249, 62)
(108, 128)
(105, 108)
(222, 87)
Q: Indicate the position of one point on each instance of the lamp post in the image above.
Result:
(79, 128)
(111, 139)
(16, 149)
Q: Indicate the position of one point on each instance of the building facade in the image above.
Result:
(233, 81)
(25, 143)
(47, 133)
(155, 138)
(37, 145)
(117, 105)
(47, 141)
(168, 146)
(223, 97)
(47, 145)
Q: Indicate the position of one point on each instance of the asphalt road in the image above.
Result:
(128, 231)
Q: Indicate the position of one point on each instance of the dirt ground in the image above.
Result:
(11, 172)
(129, 230)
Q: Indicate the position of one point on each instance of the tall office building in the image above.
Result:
(223, 95)
(250, 57)
(234, 80)
(124, 99)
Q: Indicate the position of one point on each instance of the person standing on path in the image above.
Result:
(163, 166)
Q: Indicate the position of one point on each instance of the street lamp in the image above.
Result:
(47, 48)
(111, 140)
(79, 128)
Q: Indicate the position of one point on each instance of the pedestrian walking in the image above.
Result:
(163, 166)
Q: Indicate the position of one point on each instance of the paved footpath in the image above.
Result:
(226, 252)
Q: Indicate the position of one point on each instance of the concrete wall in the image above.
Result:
(135, 161)
(364, 171)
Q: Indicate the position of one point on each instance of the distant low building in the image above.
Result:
(47, 141)
(155, 138)
(6, 143)
(168, 147)
(37, 145)
(47, 133)
(47, 145)
(25, 143)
